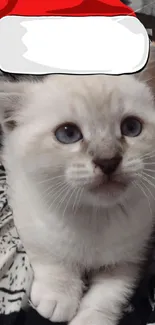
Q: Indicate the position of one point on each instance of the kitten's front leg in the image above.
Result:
(56, 292)
(103, 303)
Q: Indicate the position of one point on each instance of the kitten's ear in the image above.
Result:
(9, 108)
(148, 73)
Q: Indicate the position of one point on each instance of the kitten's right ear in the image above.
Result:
(148, 73)
(9, 110)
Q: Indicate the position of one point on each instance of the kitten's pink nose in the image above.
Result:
(108, 166)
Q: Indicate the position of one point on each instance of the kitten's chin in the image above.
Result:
(109, 193)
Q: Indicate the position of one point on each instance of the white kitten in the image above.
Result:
(79, 154)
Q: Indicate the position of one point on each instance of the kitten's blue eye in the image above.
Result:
(131, 127)
(68, 134)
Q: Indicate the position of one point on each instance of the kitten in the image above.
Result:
(79, 153)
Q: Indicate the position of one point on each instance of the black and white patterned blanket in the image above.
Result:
(15, 270)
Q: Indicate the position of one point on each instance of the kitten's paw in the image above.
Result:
(56, 306)
(90, 317)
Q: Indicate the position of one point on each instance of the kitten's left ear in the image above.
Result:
(9, 110)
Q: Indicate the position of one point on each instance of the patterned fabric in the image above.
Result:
(15, 270)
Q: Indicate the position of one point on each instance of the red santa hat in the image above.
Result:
(71, 37)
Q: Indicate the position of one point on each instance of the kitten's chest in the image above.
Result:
(103, 241)
(81, 240)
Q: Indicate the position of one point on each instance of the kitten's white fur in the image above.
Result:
(68, 230)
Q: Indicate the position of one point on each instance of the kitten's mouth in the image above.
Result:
(110, 186)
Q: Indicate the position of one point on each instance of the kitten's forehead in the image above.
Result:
(97, 87)
(83, 99)
(92, 86)
(89, 94)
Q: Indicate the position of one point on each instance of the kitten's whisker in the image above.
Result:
(50, 179)
(150, 170)
(137, 158)
(56, 191)
(58, 194)
(147, 175)
(51, 189)
(76, 197)
(146, 155)
(147, 189)
(147, 180)
(79, 200)
(61, 195)
(145, 194)
(72, 193)
(63, 198)
(53, 186)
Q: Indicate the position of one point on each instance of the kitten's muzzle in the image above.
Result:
(108, 166)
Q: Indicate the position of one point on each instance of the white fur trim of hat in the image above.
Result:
(73, 45)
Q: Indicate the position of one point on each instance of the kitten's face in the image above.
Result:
(84, 138)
